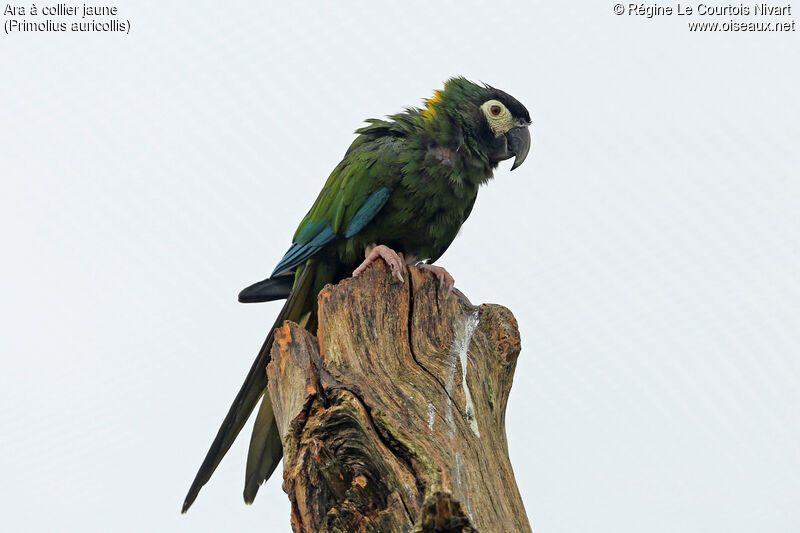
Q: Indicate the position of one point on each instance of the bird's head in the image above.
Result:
(492, 122)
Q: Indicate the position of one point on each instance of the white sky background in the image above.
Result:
(648, 248)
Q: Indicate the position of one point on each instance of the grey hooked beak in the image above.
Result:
(519, 143)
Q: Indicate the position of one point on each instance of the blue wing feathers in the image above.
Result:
(367, 212)
(298, 253)
(315, 236)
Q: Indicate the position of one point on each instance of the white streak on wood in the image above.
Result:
(459, 466)
(469, 329)
(448, 387)
(460, 352)
(460, 485)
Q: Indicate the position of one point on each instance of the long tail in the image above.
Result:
(267, 452)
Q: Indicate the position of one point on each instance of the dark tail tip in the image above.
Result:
(267, 290)
(194, 490)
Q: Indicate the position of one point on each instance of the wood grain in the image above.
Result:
(393, 417)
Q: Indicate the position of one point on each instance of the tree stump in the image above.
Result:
(393, 418)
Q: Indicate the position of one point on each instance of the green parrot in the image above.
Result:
(405, 186)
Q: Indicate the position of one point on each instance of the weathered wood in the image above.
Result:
(393, 420)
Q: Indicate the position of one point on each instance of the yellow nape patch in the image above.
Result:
(430, 105)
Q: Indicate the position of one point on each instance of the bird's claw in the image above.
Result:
(387, 254)
(446, 281)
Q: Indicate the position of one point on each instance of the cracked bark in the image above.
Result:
(393, 418)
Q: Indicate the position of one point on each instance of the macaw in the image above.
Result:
(401, 193)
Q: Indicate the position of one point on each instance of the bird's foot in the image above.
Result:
(391, 257)
(446, 281)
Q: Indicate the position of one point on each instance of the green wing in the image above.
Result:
(355, 192)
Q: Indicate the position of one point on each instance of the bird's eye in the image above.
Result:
(498, 116)
(494, 110)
